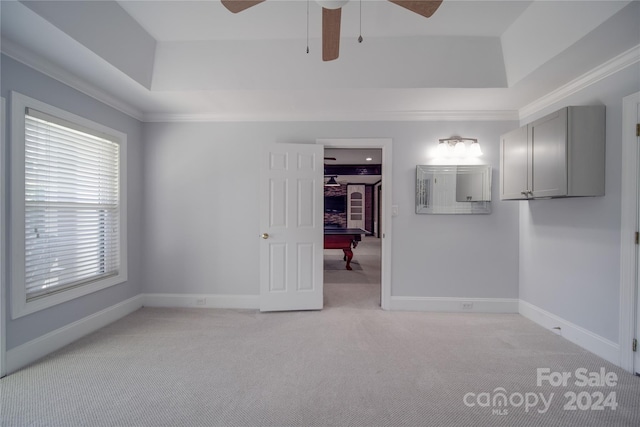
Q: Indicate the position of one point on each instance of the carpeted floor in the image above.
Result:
(350, 364)
(340, 264)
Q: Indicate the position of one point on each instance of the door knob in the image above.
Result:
(265, 235)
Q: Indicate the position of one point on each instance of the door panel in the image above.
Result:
(277, 267)
(306, 197)
(291, 223)
(306, 253)
(548, 138)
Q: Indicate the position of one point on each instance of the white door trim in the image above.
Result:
(628, 227)
(386, 229)
(3, 240)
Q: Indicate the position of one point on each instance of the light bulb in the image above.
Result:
(442, 150)
(474, 150)
(460, 149)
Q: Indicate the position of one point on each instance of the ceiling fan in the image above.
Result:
(331, 15)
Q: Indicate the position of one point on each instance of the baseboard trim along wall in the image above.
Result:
(455, 305)
(201, 300)
(33, 350)
(584, 338)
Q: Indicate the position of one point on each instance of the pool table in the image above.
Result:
(343, 238)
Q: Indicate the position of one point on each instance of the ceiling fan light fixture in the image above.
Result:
(332, 4)
(332, 16)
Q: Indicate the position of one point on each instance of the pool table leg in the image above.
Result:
(348, 255)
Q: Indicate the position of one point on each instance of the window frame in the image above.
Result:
(20, 306)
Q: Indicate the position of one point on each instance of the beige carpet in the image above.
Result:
(339, 265)
(349, 364)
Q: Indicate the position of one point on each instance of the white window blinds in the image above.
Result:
(72, 203)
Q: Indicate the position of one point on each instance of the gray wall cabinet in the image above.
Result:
(558, 155)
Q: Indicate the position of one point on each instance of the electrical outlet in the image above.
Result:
(201, 301)
(468, 305)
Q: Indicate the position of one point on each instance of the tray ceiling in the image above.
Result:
(194, 60)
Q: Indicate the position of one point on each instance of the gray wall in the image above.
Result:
(17, 77)
(570, 248)
(201, 209)
(199, 194)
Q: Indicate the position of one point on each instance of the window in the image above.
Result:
(68, 213)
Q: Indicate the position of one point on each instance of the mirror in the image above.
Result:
(453, 189)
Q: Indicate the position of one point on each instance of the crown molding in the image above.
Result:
(614, 65)
(30, 59)
(353, 116)
(610, 67)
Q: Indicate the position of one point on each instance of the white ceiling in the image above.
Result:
(353, 156)
(194, 60)
(287, 19)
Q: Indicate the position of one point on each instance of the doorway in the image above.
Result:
(350, 177)
(370, 207)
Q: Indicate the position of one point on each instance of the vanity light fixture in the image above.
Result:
(456, 147)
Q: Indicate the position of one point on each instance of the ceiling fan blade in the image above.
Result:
(331, 33)
(425, 8)
(236, 6)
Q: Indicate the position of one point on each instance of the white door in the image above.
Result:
(2, 238)
(636, 363)
(355, 206)
(291, 227)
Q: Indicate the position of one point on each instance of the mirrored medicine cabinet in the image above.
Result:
(453, 189)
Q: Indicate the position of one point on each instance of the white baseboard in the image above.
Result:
(33, 350)
(201, 300)
(455, 305)
(594, 343)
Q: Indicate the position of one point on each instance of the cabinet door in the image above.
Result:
(548, 137)
(514, 165)
(355, 206)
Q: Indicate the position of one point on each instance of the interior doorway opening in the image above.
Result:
(352, 219)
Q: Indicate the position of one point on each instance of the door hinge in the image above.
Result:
(637, 238)
(638, 129)
(634, 346)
